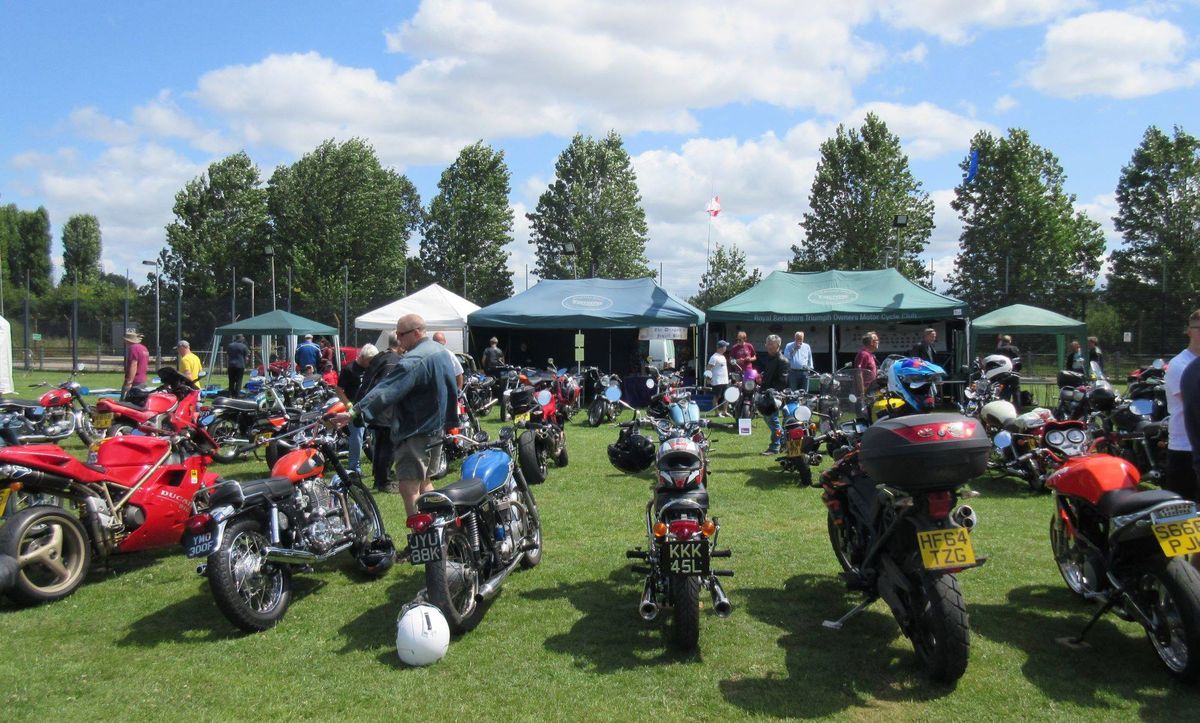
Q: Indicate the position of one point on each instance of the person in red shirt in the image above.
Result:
(137, 360)
(864, 365)
(742, 352)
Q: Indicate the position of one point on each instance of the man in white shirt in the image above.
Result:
(1181, 476)
(440, 338)
(799, 356)
(719, 366)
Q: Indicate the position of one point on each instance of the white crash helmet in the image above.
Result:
(422, 634)
(996, 365)
(996, 413)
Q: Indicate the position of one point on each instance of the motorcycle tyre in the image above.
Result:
(1181, 582)
(84, 429)
(1034, 476)
(533, 528)
(119, 428)
(842, 550)
(373, 529)
(224, 587)
(437, 584)
(685, 614)
(944, 617)
(595, 415)
(1061, 549)
(221, 430)
(533, 464)
(27, 592)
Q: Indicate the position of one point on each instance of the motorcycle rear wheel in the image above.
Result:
(685, 616)
(1071, 558)
(453, 581)
(1171, 595)
(595, 415)
(224, 432)
(252, 593)
(52, 550)
(941, 630)
(532, 460)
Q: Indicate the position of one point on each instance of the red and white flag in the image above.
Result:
(714, 206)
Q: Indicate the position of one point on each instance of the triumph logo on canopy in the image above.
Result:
(833, 296)
(587, 302)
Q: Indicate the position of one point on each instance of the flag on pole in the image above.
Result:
(972, 167)
(714, 206)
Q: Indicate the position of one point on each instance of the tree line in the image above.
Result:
(341, 228)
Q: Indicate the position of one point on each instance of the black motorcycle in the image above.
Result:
(478, 390)
(896, 528)
(254, 532)
(604, 407)
(472, 533)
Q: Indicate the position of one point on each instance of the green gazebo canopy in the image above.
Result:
(1025, 319)
(276, 322)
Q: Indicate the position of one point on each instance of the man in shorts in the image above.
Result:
(1181, 475)
(420, 394)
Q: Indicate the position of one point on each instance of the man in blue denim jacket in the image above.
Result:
(420, 394)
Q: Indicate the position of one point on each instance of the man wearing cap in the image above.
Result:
(718, 365)
(237, 353)
(308, 354)
(137, 360)
(188, 363)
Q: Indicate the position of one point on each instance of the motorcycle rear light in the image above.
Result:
(660, 529)
(795, 434)
(684, 529)
(938, 431)
(197, 524)
(419, 522)
(709, 528)
(939, 504)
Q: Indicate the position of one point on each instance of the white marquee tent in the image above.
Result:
(442, 310)
(6, 377)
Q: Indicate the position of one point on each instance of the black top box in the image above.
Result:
(1068, 378)
(521, 399)
(925, 451)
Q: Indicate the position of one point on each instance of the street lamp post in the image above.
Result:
(248, 280)
(270, 252)
(157, 309)
(568, 249)
(899, 221)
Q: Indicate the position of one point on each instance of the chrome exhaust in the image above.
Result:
(290, 556)
(648, 609)
(721, 605)
(964, 516)
(488, 590)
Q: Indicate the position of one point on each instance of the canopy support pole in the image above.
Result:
(610, 367)
(699, 374)
(833, 349)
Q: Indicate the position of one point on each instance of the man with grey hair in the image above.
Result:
(774, 377)
(440, 338)
(418, 397)
(349, 381)
(800, 360)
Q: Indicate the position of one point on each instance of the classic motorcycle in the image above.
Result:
(603, 409)
(472, 533)
(1021, 456)
(535, 412)
(238, 425)
(743, 384)
(897, 530)
(799, 434)
(145, 405)
(134, 493)
(468, 428)
(681, 537)
(478, 388)
(57, 414)
(254, 533)
(1124, 548)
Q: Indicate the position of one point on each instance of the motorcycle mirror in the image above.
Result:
(731, 394)
(1158, 364)
(613, 394)
(202, 375)
(853, 398)
(562, 372)
(803, 414)
(543, 397)
(650, 383)
(1002, 440)
(481, 437)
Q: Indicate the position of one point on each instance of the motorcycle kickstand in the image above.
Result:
(856, 610)
(1077, 641)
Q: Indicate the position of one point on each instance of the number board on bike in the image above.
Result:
(4, 493)
(199, 545)
(521, 418)
(942, 549)
(102, 420)
(425, 547)
(1178, 538)
(688, 557)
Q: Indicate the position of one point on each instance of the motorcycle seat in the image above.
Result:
(251, 490)
(238, 405)
(1123, 502)
(20, 403)
(463, 493)
(662, 497)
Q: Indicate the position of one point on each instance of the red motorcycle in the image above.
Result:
(535, 411)
(57, 414)
(146, 406)
(133, 493)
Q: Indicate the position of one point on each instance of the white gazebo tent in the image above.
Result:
(442, 310)
(6, 377)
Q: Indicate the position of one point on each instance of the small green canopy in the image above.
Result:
(837, 296)
(1024, 319)
(276, 322)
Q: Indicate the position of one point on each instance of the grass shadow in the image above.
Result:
(839, 670)
(773, 477)
(1001, 485)
(375, 627)
(195, 619)
(1116, 664)
(610, 636)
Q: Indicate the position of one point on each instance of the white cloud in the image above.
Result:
(925, 130)
(1114, 54)
(1004, 104)
(915, 54)
(160, 118)
(954, 20)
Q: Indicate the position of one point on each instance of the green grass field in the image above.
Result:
(564, 640)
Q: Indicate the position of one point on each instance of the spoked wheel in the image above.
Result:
(52, 550)
(940, 630)
(224, 432)
(253, 593)
(561, 459)
(595, 415)
(1071, 558)
(453, 581)
(119, 428)
(372, 548)
(1171, 596)
(533, 532)
(83, 427)
(685, 616)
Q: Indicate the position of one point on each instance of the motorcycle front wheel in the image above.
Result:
(533, 532)
(685, 616)
(224, 432)
(251, 592)
(941, 630)
(83, 427)
(52, 551)
(1071, 558)
(367, 523)
(1171, 597)
(595, 415)
(841, 538)
(453, 582)
(561, 459)
(532, 460)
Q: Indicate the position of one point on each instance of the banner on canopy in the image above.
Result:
(675, 333)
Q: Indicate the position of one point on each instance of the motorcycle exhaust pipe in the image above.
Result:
(721, 605)
(290, 556)
(488, 590)
(964, 516)
(648, 609)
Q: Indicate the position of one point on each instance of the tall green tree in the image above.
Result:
(337, 206)
(863, 183)
(1158, 267)
(725, 278)
(1022, 240)
(10, 238)
(81, 248)
(594, 206)
(32, 251)
(468, 224)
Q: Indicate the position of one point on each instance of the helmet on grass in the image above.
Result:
(422, 634)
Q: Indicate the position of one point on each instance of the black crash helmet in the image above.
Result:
(1102, 399)
(767, 404)
(632, 452)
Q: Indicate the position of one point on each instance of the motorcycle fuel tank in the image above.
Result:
(490, 466)
(1090, 477)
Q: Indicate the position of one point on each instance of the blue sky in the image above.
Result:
(110, 109)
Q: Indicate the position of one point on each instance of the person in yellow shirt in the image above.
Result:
(188, 363)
